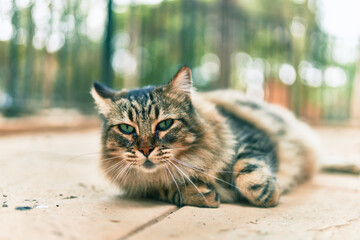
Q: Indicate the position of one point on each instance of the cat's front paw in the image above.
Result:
(201, 196)
(255, 182)
(212, 199)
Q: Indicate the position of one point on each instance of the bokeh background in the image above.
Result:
(302, 54)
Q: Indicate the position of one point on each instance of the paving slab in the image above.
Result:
(326, 208)
(54, 182)
(51, 188)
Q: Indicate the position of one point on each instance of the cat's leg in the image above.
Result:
(255, 181)
(200, 195)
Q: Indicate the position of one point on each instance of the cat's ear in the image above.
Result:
(103, 97)
(182, 82)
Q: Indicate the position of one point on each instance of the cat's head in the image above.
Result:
(147, 127)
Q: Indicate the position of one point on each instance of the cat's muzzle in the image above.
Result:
(148, 164)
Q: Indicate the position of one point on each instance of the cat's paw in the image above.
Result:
(266, 194)
(212, 199)
(256, 183)
(201, 196)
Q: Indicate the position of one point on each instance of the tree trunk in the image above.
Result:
(107, 71)
(225, 43)
(29, 60)
(12, 83)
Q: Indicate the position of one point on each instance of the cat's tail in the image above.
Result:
(296, 144)
(340, 164)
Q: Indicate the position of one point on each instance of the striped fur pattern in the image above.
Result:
(173, 144)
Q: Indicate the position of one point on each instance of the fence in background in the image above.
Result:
(51, 51)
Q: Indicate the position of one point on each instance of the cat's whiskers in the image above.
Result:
(177, 186)
(83, 154)
(124, 167)
(188, 179)
(200, 168)
(114, 166)
(74, 157)
(203, 171)
(167, 177)
(183, 182)
(88, 153)
(120, 174)
(117, 156)
(117, 170)
(126, 173)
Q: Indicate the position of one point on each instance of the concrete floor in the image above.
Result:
(55, 175)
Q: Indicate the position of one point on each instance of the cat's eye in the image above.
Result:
(126, 129)
(165, 125)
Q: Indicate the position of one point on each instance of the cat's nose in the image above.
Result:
(146, 150)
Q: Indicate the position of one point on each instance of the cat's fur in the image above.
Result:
(221, 146)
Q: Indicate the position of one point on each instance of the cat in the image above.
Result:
(173, 144)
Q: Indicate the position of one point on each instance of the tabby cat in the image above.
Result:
(173, 144)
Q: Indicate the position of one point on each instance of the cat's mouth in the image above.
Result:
(151, 166)
(148, 164)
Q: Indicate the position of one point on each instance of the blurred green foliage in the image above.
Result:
(58, 48)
